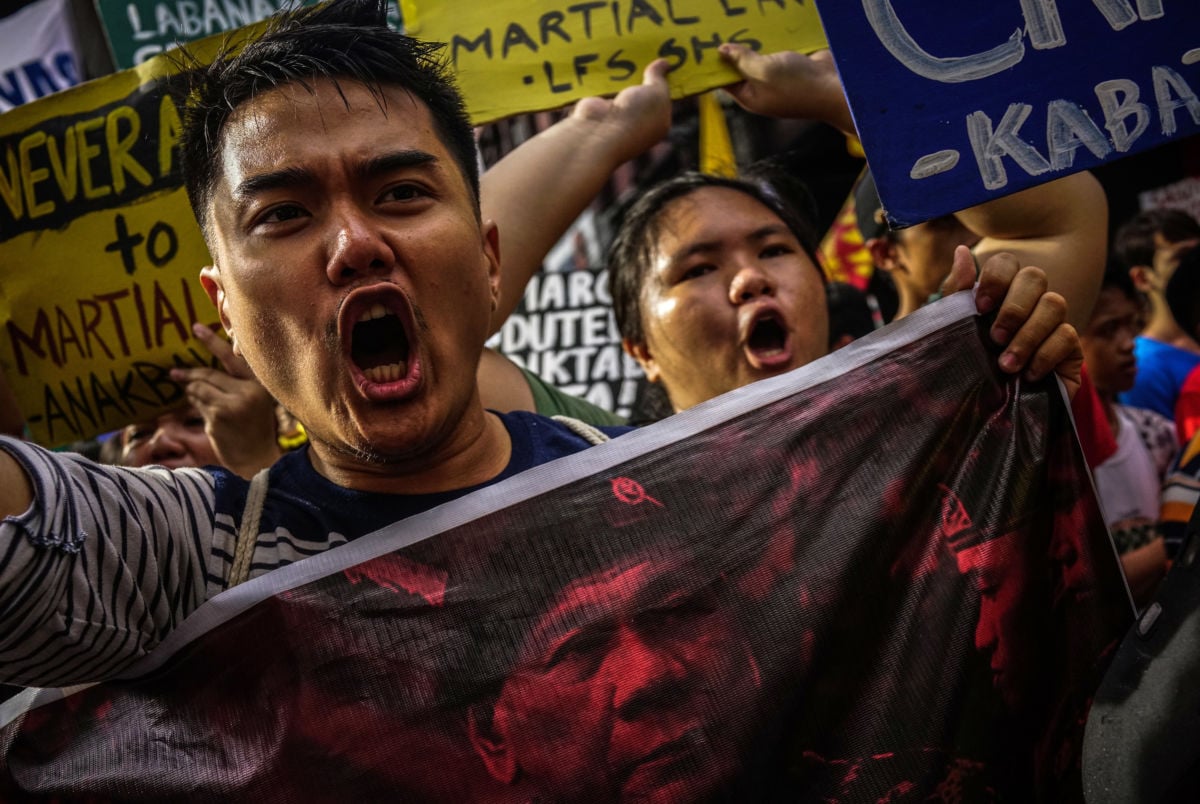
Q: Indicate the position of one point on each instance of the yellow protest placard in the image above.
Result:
(99, 255)
(514, 56)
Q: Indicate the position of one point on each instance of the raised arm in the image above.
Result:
(789, 84)
(1061, 227)
(535, 192)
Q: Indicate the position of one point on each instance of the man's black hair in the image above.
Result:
(633, 247)
(1134, 241)
(1183, 292)
(1116, 276)
(343, 40)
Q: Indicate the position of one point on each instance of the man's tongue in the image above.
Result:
(379, 347)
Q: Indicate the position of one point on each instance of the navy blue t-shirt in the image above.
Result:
(306, 514)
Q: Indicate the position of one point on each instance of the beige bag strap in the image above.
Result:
(584, 430)
(247, 536)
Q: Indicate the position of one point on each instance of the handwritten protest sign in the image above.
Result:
(564, 332)
(98, 285)
(138, 30)
(38, 57)
(959, 103)
(514, 56)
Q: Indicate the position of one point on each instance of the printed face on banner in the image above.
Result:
(730, 297)
(957, 104)
(627, 688)
(513, 56)
(351, 268)
(1001, 583)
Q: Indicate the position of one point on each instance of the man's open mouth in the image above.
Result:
(379, 345)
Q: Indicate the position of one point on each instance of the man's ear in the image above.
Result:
(641, 353)
(210, 279)
(1144, 278)
(487, 730)
(883, 253)
(491, 252)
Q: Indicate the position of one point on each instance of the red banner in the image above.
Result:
(789, 594)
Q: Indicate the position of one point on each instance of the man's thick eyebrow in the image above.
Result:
(396, 160)
(274, 180)
(288, 177)
(705, 246)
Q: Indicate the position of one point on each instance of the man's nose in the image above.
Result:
(645, 675)
(749, 283)
(987, 635)
(359, 247)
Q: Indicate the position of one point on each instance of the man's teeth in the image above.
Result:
(387, 373)
(376, 311)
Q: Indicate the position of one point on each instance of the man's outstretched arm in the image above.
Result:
(97, 563)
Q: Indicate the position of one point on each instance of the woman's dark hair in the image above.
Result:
(633, 247)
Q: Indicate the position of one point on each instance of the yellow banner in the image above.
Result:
(99, 252)
(99, 255)
(514, 56)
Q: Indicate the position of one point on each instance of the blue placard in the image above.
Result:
(960, 102)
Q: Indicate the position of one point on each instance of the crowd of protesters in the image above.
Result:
(355, 368)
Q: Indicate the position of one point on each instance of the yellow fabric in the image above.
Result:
(716, 148)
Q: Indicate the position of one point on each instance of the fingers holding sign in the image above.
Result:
(239, 414)
(789, 84)
(638, 116)
(1031, 322)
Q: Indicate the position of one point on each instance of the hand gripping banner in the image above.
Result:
(881, 577)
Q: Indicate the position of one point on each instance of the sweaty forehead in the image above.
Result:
(709, 214)
(294, 122)
(320, 106)
(707, 204)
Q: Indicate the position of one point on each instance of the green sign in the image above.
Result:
(141, 29)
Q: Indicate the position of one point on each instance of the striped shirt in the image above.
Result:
(108, 560)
